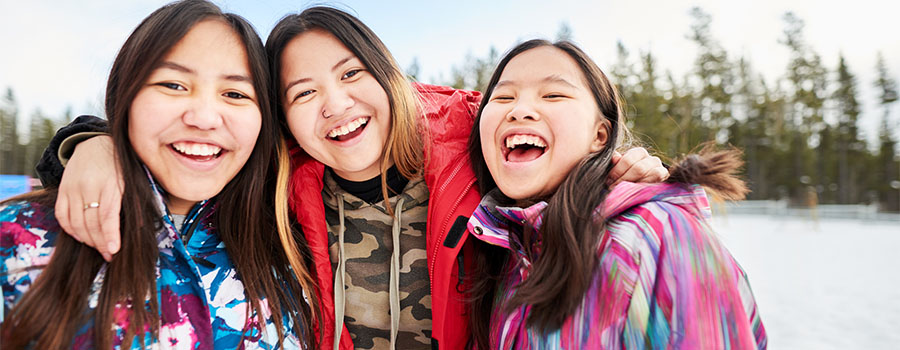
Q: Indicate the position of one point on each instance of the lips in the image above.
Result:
(522, 147)
(348, 130)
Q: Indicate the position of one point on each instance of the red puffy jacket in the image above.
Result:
(453, 196)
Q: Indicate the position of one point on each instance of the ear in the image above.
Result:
(602, 136)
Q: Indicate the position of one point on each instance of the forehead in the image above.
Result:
(540, 63)
(210, 44)
(313, 45)
(208, 35)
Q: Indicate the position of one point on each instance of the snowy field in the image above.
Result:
(834, 284)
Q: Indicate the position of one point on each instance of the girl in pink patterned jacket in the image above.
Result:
(571, 262)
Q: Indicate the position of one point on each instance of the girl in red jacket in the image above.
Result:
(390, 272)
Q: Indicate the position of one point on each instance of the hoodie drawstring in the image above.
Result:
(339, 297)
(340, 276)
(395, 274)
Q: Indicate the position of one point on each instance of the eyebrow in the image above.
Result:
(306, 80)
(176, 66)
(549, 79)
(558, 79)
(186, 70)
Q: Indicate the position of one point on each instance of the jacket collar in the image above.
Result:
(627, 195)
(167, 236)
(501, 225)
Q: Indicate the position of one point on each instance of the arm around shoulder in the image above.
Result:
(51, 165)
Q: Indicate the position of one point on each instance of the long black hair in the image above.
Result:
(244, 218)
(561, 274)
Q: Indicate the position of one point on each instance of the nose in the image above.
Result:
(203, 113)
(523, 110)
(337, 102)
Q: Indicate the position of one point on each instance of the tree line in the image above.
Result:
(20, 153)
(800, 135)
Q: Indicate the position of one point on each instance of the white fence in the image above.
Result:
(826, 211)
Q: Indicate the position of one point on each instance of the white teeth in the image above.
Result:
(513, 141)
(196, 149)
(348, 128)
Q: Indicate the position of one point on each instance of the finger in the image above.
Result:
(61, 210)
(645, 170)
(109, 218)
(616, 156)
(628, 160)
(659, 174)
(92, 225)
(617, 170)
(76, 218)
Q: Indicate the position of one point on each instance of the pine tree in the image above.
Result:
(649, 122)
(807, 82)
(750, 131)
(10, 155)
(474, 73)
(412, 72)
(622, 74)
(564, 32)
(850, 147)
(887, 165)
(679, 107)
(714, 72)
(37, 140)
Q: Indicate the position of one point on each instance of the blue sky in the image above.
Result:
(57, 55)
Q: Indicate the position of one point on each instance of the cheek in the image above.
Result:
(378, 98)
(141, 126)
(247, 131)
(490, 120)
(301, 123)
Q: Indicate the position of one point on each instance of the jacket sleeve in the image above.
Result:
(691, 293)
(50, 167)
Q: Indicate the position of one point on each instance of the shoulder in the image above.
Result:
(27, 238)
(675, 246)
(652, 214)
(447, 112)
(660, 225)
(436, 98)
(666, 230)
(26, 224)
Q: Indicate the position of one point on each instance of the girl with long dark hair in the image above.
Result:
(201, 265)
(567, 262)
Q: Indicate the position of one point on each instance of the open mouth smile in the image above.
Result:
(197, 151)
(523, 148)
(349, 130)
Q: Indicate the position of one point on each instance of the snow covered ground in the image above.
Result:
(834, 284)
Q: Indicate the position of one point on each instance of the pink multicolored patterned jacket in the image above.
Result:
(664, 280)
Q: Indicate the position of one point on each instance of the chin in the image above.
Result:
(517, 193)
(196, 192)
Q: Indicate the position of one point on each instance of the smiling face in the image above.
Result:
(195, 121)
(335, 108)
(540, 121)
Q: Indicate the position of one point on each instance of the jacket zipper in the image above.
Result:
(187, 234)
(443, 231)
